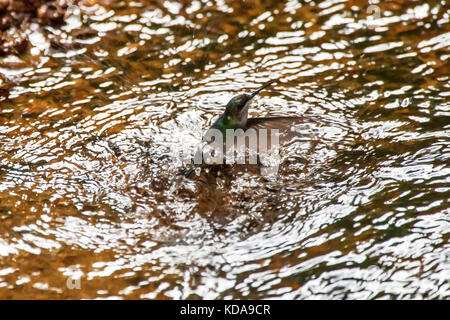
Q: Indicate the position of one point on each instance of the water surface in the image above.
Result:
(90, 132)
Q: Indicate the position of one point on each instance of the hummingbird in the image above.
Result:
(235, 117)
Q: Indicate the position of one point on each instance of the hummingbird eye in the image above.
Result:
(237, 102)
(234, 101)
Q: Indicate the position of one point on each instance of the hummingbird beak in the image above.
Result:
(260, 89)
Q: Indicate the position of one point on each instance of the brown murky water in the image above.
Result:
(89, 207)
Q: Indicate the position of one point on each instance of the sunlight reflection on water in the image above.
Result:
(359, 208)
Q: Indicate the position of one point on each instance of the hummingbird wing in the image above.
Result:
(273, 122)
(287, 126)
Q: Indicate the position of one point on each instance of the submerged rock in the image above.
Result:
(4, 89)
(15, 16)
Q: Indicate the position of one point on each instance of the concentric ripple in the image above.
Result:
(102, 107)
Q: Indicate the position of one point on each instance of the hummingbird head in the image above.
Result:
(236, 110)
